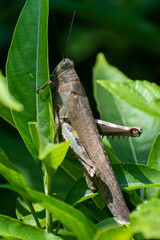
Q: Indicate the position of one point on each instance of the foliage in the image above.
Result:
(119, 100)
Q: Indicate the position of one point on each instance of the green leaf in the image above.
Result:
(23, 212)
(10, 172)
(113, 109)
(112, 233)
(79, 192)
(20, 156)
(8, 238)
(145, 221)
(5, 113)
(70, 217)
(132, 176)
(97, 212)
(134, 197)
(154, 156)
(65, 235)
(139, 94)
(153, 161)
(13, 176)
(35, 134)
(27, 70)
(107, 223)
(71, 166)
(113, 159)
(6, 98)
(52, 155)
(11, 227)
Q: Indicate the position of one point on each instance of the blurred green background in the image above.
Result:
(126, 31)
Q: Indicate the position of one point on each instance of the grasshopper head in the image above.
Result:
(65, 64)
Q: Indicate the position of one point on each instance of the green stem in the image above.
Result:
(48, 192)
(57, 228)
(32, 211)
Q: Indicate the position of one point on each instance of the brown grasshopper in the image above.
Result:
(73, 112)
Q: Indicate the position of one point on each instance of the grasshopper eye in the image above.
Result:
(65, 65)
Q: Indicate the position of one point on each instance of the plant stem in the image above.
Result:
(57, 228)
(32, 211)
(48, 192)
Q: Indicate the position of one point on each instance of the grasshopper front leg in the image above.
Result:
(50, 83)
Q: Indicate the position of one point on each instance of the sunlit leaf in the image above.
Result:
(12, 227)
(70, 217)
(10, 172)
(133, 176)
(6, 98)
(27, 70)
(139, 94)
(113, 107)
(145, 220)
(79, 192)
(52, 155)
(113, 233)
(154, 161)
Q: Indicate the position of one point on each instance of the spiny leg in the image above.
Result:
(111, 129)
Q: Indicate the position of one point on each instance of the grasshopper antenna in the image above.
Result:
(56, 29)
(54, 21)
(70, 30)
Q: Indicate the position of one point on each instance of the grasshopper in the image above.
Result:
(72, 112)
